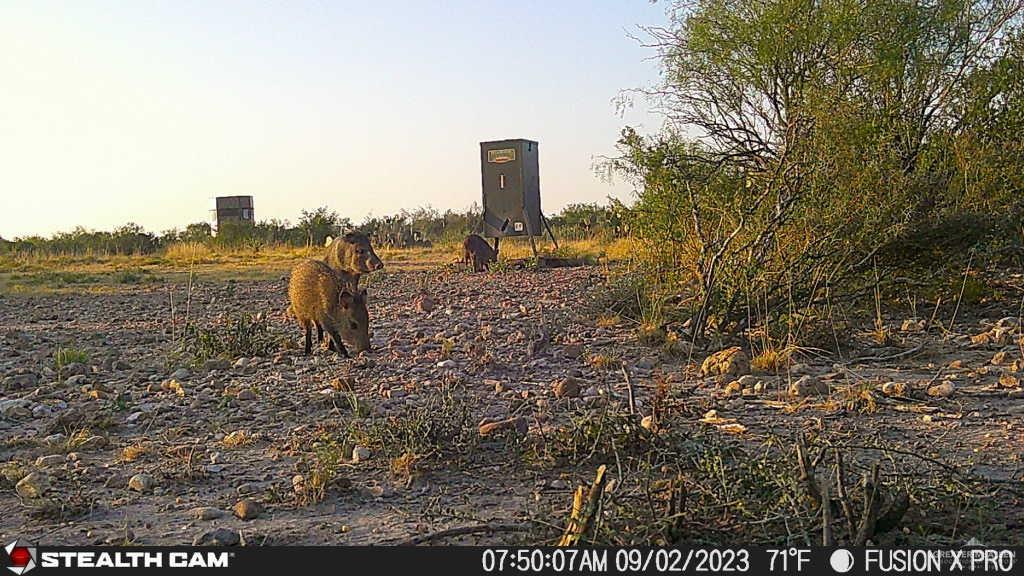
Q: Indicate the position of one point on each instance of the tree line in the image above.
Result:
(418, 227)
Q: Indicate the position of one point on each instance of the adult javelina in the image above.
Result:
(319, 298)
(476, 251)
(353, 254)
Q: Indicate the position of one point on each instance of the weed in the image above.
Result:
(233, 337)
(64, 357)
(604, 362)
(133, 452)
(237, 438)
(442, 427)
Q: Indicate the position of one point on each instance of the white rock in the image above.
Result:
(360, 454)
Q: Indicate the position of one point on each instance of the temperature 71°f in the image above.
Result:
(782, 560)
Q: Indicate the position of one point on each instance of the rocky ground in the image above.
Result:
(462, 414)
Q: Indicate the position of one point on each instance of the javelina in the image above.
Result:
(320, 298)
(476, 251)
(352, 253)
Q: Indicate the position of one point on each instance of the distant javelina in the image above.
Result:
(319, 298)
(477, 252)
(352, 253)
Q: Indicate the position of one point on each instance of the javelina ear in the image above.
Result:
(346, 298)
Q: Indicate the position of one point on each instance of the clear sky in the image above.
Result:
(143, 111)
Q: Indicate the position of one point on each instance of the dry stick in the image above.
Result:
(188, 299)
(459, 531)
(629, 390)
(580, 523)
(844, 500)
(903, 354)
(826, 517)
(948, 467)
(963, 286)
(806, 472)
(935, 312)
(871, 505)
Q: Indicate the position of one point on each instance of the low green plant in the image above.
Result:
(240, 335)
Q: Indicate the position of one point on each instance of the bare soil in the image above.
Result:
(491, 348)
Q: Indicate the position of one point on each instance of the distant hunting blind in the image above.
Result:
(232, 209)
(510, 177)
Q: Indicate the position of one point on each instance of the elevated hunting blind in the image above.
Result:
(510, 177)
(232, 209)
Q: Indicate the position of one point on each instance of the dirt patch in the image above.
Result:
(133, 439)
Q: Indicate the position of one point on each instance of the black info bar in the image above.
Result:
(27, 558)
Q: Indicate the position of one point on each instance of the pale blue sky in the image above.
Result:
(142, 111)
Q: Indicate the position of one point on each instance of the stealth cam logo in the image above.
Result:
(22, 556)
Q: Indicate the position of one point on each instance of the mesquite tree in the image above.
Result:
(804, 135)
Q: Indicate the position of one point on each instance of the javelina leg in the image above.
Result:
(336, 344)
(319, 334)
(309, 336)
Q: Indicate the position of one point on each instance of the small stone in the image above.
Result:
(647, 363)
(808, 386)
(446, 363)
(216, 364)
(141, 483)
(299, 483)
(76, 380)
(246, 394)
(247, 509)
(218, 537)
(57, 439)
(20, 381)
(999, 358)
(92, 443)
(360, 454)
(733, 387)
(799, 369)
(1008, 380)
(728, 362)
(894, 388)
(380, 491)
(32, 486)
(943, 390)
(911, 325)
(181, 374)
(566, 388)
(241, 363)
(956, 364)
(759, 388)
(649, 423)
(15, 408)
(51, 460)
(748, 380)
(425, 303)
(573, 350)
(207, 513)
(520, 425)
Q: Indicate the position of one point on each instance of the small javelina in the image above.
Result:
(319, 298)
(352, 253)
(478, 253)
